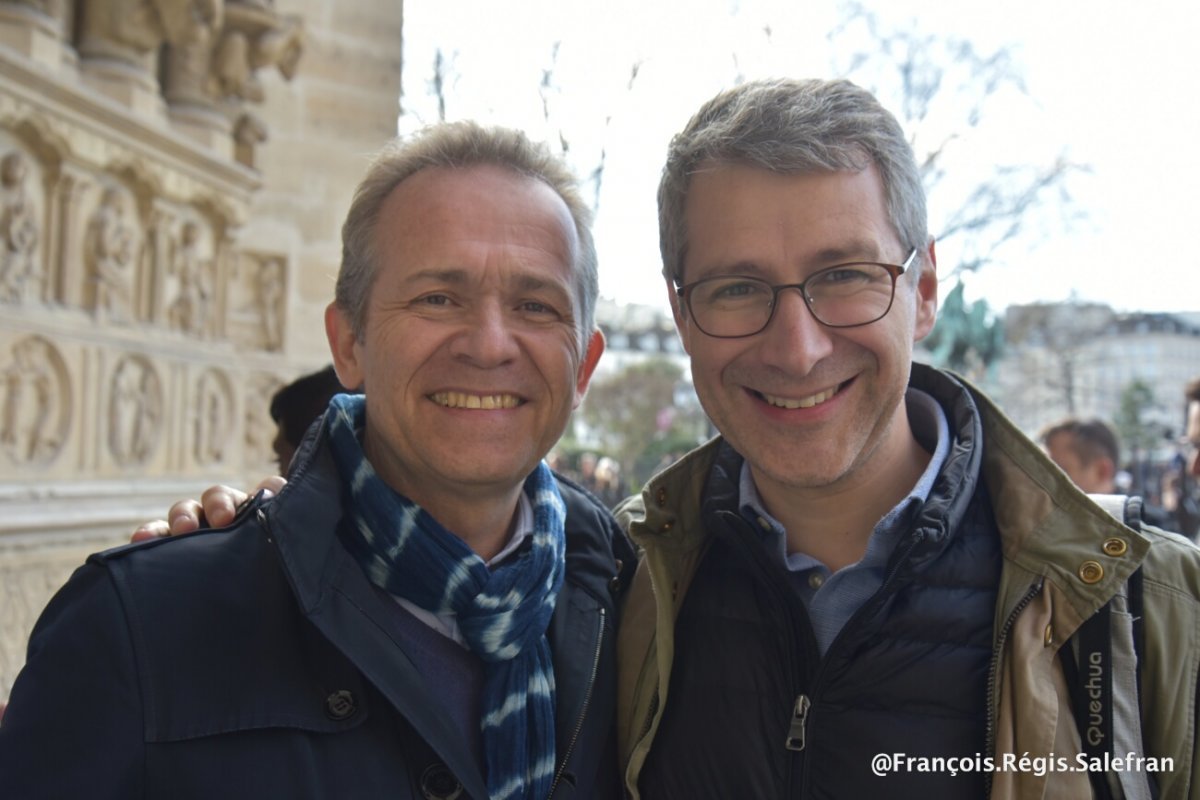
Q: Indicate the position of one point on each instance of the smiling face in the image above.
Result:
(809, 407)
(470, 356)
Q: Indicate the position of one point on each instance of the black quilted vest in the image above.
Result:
(907, 675)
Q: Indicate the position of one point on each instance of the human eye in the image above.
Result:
(536, 307)
(433, 299)
(846, 273)
(731, 291)
(433, 303)
(539, 310)
(846, 279)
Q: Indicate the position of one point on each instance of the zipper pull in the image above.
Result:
(795, 737)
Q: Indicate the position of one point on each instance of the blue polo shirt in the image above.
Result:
(832, 597)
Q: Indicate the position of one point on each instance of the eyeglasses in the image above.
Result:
(842, 296)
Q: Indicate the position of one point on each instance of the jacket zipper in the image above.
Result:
(914, 540)
(990, 731)
(795, 738)
(587, 699)
(758, 557)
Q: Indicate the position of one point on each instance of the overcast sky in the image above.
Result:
(1109, 85)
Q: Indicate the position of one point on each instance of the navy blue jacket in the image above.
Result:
(258, 662)
(908, 670)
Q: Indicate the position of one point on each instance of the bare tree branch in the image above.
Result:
(935, 78)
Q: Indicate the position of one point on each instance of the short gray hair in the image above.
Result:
(791, 126)
(458, 145)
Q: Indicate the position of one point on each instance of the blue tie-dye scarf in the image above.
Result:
(503, 613)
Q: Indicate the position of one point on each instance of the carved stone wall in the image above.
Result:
(173, 176)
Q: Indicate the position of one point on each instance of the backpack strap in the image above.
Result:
(1106, 678)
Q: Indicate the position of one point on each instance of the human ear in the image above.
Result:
(587, 365)
(927, 295)
(679, 311)
(344, 346)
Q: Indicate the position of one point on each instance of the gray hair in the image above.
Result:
(791, 126)
(458, 145)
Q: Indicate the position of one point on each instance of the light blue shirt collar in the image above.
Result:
(930, 427)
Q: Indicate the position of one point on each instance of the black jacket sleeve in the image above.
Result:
(74, 724)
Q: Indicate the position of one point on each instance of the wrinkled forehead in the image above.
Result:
(440, 208)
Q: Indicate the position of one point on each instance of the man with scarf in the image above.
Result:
(425, 610)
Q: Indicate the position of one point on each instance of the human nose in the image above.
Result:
(793, 339)
(488, 339)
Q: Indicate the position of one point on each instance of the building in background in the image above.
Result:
(173, 178)
(1086, 360)
(1081, 359)
(634, 333)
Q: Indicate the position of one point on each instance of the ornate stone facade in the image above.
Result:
(173, 175)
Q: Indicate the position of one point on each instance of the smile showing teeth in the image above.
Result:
(803, 402)
(480, 401)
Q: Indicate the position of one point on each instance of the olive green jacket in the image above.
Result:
(1063, 558)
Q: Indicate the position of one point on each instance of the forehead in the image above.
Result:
(737, 213)
(1193, 421)
(476, 219)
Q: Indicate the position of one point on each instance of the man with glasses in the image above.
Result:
(871, 581)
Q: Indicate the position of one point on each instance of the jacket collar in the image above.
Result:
(1049, 528)
(337, 598)
(335, 595)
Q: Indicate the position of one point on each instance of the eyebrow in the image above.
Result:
(522, 281)
(454, 276)
(854, 252)
(848, 254)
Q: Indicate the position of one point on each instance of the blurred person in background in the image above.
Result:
(607, 481)
(1087, 450)
(1187, 504)
(294, 408)
(1192, 431)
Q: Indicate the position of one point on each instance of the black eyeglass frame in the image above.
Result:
(894, 270)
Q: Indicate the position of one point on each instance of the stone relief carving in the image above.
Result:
(33, 425)
(186, 71)
(232, 75)
(20, 273)
(271, 301)
(109, 250)
(189, 310)
(129, 30)
(258, 426)
(254, 38)
(213, 418)
(258, 301)
(211, 72)
(135, 411)
(248, 133)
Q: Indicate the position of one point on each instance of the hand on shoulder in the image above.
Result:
(216, 508)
